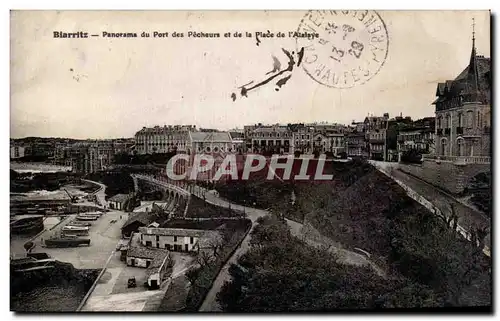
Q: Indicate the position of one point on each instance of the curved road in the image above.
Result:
(101, 193)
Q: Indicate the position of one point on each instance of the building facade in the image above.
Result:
(271, 139)
(377, 144)
(92, 156)
(164, 139)
(155, 260)
(333, 143)
(302, 138)
(463, 111)
(419, 137)
(176, 239)
(356, 144)
(16, 152)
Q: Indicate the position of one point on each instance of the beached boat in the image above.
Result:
(75, 230)
(26, 224)
(67, 241)
(79, 223)
(87, 218)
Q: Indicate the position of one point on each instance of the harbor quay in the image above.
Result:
(104, 235)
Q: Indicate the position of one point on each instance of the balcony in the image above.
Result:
(460, 130)
(458, 160)
(377, 141)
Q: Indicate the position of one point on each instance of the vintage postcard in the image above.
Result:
(250, 161)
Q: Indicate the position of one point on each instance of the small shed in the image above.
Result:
(117, 202)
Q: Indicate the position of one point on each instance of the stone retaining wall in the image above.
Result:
(448, 176)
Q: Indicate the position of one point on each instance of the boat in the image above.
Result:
(75, 230)
(26, 224)
(70, 227)
(67, 241)
(91, 213)
(78, 223)
(31, 264)
(86, 218)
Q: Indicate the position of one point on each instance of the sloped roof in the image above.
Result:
(210, 136)
(145, 218)
(119, 198)
(473, 83)
(172, 231)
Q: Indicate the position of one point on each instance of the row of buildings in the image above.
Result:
(84, 156)
(376, 137)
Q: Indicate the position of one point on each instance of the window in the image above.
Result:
(460, 143)
(460, 120)
(175, 238)
(470, 115)
(191, 240)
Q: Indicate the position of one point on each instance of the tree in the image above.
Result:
(203, 259)
(192, 274)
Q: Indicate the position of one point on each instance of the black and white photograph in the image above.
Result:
(250, 161)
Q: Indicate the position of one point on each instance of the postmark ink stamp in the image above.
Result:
(351, 47)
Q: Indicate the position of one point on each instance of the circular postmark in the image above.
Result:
(342, 49)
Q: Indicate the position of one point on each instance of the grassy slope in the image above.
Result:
(363, 208)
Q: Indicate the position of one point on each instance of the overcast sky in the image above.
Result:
(111, 87)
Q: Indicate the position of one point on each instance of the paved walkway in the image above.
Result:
(210, 303)
(101, 193)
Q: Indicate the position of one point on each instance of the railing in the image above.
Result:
(459, 160)
(164, 182)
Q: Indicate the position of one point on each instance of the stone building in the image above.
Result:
(274, 139)
(179, 239)
(418, 137)
(164, 139)
(463, 112)
(302, 138)
(16, 152)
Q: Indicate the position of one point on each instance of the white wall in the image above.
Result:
(139, 262)
(165, 240)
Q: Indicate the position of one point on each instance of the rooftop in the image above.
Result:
(473, 84)
(203, 235)
(145, 218)
(119, 198)
(210, 137)
(172, 231)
